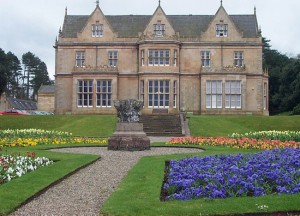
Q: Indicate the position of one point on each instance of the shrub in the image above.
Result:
(296, 110)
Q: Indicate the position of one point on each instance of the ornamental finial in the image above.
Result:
(97, 3)
(221, 2)
(158, 2)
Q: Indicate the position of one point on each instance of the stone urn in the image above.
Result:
(129, 134)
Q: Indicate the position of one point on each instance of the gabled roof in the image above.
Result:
(247, 24)
(186, 25)
(128, 25)
(46, 89)
(21, 104)
(73, 24)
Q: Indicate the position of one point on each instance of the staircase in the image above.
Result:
(162, 125)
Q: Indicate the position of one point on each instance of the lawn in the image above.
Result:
(78, 125)
(213, 126)
(143, 186)
(17, 191)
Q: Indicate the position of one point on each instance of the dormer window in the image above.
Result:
(221, 30)
(159, 30)
(97, 30)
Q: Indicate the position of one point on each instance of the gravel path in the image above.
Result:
(85, 192)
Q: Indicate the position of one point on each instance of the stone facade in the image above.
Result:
(46, 98)
(205, 64)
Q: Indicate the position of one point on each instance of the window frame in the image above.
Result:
(159, 57)
(175, 94)
(80, 58)
(97, 30)
(103, 94)
(214, 94)
(113, 58)
(85, 90)
(221, 30)
(233, 94)
(205, 59)
(238, 59)
(158, 94)
(159, 29)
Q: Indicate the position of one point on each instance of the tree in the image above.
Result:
(280, 68)
(14, 76)
(3, 71)
(35, 74)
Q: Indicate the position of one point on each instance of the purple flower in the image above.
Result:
(221, 176)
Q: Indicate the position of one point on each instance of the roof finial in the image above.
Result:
(158, 2)
(254, 10)
(221, 2)
(97, 3)
(66, 11)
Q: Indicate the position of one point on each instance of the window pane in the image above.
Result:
(208, 101)
(156, 100)
(161, 100)
(214, 101)
(208, 87)
(155, 86)
(214, 87)
(150, 100)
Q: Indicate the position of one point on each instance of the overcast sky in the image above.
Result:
(32, 25)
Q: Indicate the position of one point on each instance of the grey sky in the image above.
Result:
(32, 25)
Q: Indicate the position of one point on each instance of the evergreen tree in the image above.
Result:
(13, 88)
(35, 74)
(3, 71)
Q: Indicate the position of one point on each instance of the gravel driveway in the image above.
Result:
(84, 192)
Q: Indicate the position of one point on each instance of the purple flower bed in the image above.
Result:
(221, 176)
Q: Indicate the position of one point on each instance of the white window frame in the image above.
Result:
(222, 30)
(143, 57)
(113, 58)
(158, 57)
(238, 57)
(104, 93)
(175, 94)
(85, 93)
(142, 90)
(265, 100)
(214, 93)
(175, 58)
(158, 93)
(205, 59)
(233, 94)
(80, 59)
(97, 30)
(159, 29)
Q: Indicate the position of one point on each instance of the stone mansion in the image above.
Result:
(205, 64)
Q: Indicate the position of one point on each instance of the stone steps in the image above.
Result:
(162, 125)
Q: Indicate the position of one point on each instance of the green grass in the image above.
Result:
(17, 191)
(139, 193)
(78, 125)
(207, 126)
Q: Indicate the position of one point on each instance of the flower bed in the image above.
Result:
(33, 137)
(273, 135)
(14, 166)
(244, 143)
(221, 176)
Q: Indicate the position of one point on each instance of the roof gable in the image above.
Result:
(159, 18)
(129, 26)
(222, 18)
